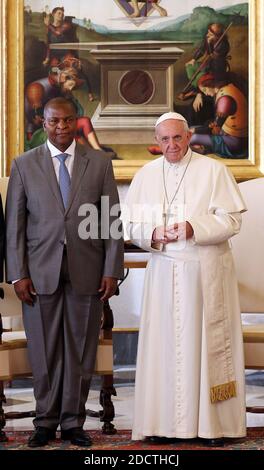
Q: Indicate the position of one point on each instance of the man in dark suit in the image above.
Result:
(62, 273)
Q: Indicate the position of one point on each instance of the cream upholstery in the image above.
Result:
(248, 249)
(10, 307)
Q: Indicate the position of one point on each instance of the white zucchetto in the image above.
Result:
(170, 115)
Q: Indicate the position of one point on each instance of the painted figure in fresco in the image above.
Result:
(60, 82)
(27, 14)
(60, 29)
(227, 134)
(154, 4)
(212, 57)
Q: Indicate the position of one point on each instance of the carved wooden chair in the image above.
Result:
(14, 360)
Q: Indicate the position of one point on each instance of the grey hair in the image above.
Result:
(186, 126)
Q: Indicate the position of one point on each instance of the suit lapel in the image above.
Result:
(48, 168)
(81, 161)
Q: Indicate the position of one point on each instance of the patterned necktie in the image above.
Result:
(64, 179)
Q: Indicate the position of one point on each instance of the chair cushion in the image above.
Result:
(13, 335)
(14, 360)
(13, 357)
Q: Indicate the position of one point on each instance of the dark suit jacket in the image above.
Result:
(37, 223)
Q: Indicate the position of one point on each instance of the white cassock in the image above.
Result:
(172, 396)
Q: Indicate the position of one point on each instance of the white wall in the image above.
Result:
(126, 306)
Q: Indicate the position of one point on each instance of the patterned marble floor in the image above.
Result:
(20, 398)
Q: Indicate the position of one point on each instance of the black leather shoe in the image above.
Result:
(161, 440)
(77, 436)
(219, 442)
(41, 437)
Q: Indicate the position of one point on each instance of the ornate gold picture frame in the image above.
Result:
(12, 95)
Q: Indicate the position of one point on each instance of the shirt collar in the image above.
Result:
(54, 151)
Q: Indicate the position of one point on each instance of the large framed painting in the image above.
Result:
(124, 63)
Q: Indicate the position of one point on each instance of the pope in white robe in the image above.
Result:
(184, 208)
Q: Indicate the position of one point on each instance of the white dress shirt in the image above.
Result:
(54, 151)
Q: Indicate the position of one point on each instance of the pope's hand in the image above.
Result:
(172, 233)
(180, 231)
(165, 235)
(158, 235)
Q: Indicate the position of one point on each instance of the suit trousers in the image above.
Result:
(62, 331)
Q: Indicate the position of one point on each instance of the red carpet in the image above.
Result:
(122, 441)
